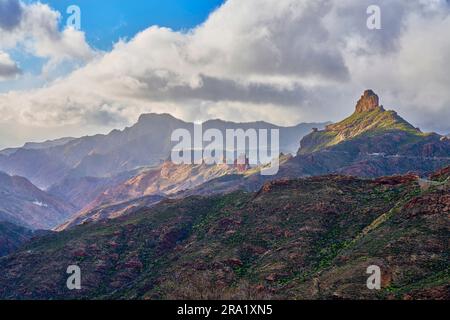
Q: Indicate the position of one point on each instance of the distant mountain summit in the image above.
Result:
(146, 143)
(372, 142)
(368, 102)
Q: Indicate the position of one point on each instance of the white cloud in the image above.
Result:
(34, 28)
(282, 61)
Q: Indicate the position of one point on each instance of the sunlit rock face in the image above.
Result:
(369, 101)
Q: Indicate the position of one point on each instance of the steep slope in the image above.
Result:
(164, 180)
(418, 227)
(24, 204)
(37, 165)
(81, 191)
(373, 142)
(147, 143)
(293, 239)
(373, 129)
(12, 237)
(110, 211)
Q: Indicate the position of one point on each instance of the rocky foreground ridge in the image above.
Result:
(310, 238)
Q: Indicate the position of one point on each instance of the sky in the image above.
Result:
(285, 62)
(106, 21)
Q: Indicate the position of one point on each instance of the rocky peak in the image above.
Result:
(369, 101)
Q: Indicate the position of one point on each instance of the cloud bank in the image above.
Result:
(282, 61)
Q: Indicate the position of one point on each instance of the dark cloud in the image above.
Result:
(215, 89)
(10, 14)
(9, 70)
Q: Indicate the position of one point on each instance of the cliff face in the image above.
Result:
(369, 101)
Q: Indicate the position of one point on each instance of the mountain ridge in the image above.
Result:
(369, 118)
(146, 143)
(309, 238)
(24, 204)
(371, 142)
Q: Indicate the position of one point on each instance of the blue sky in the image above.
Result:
(105, 21)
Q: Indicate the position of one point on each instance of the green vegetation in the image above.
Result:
(307, 238)
(361, 124)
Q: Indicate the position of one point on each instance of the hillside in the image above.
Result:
(24, 204)
(12, 237)
(295, 239)
(146, 143)
(81, 191)
(372, 129)
(110, 211)
(164, 180)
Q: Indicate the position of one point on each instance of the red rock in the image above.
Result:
(260, 288)
(443, 173)
(396, 180)
(269, 186)
(234, 262)
(369, 101)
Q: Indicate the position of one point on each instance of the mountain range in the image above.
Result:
(370, 189)
(147, 143)
(371, 142)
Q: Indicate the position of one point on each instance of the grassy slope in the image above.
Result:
(308, 238)
(371, 123)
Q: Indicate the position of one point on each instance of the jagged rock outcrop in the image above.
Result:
(369, 101)
(373, 142)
